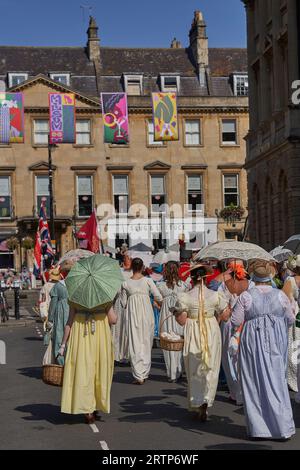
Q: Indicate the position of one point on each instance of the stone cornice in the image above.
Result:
(157, 165)
(84, 168)
(194, 166)
(119, 167)
(7, 168)
(41, 166)
(230, 166)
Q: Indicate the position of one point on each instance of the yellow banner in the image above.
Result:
(165, 117)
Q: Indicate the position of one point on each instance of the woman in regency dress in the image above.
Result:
(119, 330)
(291, 289)
(232, 287)
(58, 316)
(169, 289)
(196, 311)
(135, 297)
(266, 314)
(89, 362)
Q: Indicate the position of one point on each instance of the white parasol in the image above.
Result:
(232, 249)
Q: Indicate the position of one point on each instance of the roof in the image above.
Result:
(118, 61)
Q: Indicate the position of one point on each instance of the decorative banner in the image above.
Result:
(62, 118)
(11, 118)
(165, 116)
(115, 118)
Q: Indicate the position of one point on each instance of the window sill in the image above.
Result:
(118, 145)
(5, 146)
(193, 145)
(229, 145)
(83, 146)
(153, 146)
(38, 146)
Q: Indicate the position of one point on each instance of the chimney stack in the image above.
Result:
(199, 46)
(93, 43)
(176, 44)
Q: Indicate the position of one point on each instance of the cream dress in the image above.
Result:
(202, 369)
(135, 297)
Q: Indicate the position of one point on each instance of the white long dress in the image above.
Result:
(119, 330)
(202, 377)
(135, 295)
(173, 359)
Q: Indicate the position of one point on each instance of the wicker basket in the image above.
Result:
(53, 374)
(167, 344)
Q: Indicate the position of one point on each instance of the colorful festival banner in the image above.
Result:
(62, 118)
(11, 118)
(165, 116)
(115, 118)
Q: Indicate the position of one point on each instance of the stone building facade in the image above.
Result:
(273, 142)
(204, 166)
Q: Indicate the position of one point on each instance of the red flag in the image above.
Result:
(89, 232)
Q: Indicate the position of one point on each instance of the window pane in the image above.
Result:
(133, 88)
(158, 203)
(41, 125)
(83, 125)
(5, 206)
(194, 183)
(84, 185)
(194, 201)
(121, 204)
(120, 185)
(85, 205)
(157, 185)
(170, 82)
(42, 185)
(46, 201)
(83, 139)
(4, 186)
(230, 181)
(151, 140)
(231, 199)
(229, 126)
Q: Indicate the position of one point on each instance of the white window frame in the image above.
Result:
(34, 131)
(13, 74)
(192, 133)
(77, 194)
(166, 89)
(54, 76)
(154, 143)
(229, 143)
(201, 191)
(236, 77)
(238, 186)
(114, 194)
(165, 192)
(136, 78)
(89, 133)
(10, 197)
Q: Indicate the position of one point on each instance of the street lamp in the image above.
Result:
(50, 173)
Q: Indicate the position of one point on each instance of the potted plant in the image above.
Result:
(12, 243)
(27, 243)
(232, 213)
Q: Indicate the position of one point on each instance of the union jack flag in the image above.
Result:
(43, 248)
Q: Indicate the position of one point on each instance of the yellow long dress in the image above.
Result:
(88, 366)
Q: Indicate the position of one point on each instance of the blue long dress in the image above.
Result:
(263, 361)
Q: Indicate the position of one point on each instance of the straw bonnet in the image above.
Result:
(293, 262)
(54, 274)
(262, 271)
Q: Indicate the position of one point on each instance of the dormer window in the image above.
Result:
(240, 85)
(133, 84)
(15, 79)
(63, 78)
(169, 83)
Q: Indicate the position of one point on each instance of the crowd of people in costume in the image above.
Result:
(237, 320)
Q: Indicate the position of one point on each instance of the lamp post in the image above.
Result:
(50, 174)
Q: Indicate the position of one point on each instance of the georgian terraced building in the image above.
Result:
(204, 167)
(273, 141)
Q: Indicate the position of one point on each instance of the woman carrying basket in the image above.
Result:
(196, 311)
(169, 289)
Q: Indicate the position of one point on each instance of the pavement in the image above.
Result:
(153, 416)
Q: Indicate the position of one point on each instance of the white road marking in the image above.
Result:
(104, 445)
(94, 428)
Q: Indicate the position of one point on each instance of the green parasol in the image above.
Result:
(93, 282)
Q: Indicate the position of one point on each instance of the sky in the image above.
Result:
(130, 23)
